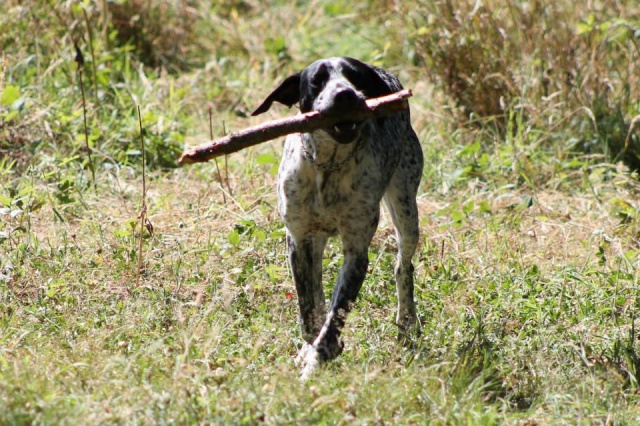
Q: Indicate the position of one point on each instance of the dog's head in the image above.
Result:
(333, 86)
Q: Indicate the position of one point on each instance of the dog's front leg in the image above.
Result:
(305, 256)
(328, 344)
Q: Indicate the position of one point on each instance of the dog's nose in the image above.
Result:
(345, 97)
(344, 100)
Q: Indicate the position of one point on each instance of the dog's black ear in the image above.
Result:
(287, 93)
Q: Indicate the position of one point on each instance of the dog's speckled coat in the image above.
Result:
(331, 182)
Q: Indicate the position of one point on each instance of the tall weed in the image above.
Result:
(565, 66)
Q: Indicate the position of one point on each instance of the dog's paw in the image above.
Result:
(302, 354)
(308, 360)
(311, 356)
(408, 332)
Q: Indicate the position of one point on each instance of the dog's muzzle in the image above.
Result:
(345, 132)
(342, 104)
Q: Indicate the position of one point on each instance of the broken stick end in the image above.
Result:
(186, 158)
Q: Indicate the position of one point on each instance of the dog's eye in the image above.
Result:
(319, 78)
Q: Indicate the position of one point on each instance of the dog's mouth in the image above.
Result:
(345, 132)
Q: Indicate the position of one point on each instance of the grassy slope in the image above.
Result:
(526, 279)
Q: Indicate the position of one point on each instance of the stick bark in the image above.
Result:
(308, 122)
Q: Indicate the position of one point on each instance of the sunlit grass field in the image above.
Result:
(527, 272)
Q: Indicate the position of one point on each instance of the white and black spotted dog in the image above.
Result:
(331, 182)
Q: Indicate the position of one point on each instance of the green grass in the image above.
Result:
(526, 277)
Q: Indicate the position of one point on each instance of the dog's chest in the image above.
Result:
(317, 200)
(331, 192)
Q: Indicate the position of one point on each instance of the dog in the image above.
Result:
(331, 182)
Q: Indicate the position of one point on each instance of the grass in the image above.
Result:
(526, 277)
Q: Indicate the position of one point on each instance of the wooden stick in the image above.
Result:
(236, 141)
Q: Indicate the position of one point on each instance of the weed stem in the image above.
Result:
(80, 62)
(143, 206)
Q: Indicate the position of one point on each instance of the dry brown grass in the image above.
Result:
(560, 229)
